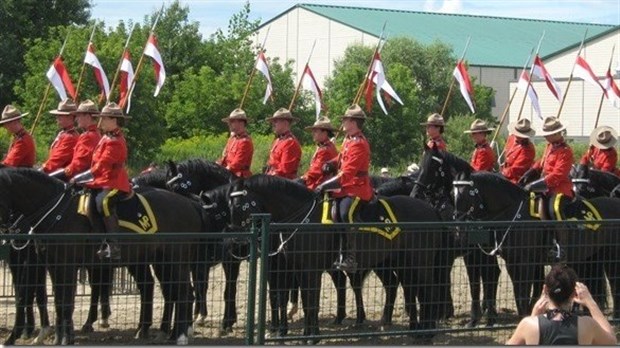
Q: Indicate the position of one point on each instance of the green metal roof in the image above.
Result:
(495, 41)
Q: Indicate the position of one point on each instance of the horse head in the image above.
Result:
(196, 175)
(242, 203)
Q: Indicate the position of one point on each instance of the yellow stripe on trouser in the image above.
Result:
(106, 209)
(356, 201)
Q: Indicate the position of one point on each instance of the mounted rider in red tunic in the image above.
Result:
(285, 154)
(602, 153)
(434, 129)
(351, 186)
(237, 155)
(519, 153)
(108, 175)
(22, 151)
(556, 163)
(87, 141)
(483, 157)
(63, 146)
(322, 131)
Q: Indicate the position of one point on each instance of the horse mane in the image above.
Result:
(502, 184)
(268, 184)
(22, 177)
(155, 178)
(458, 164)
(211, 169)
(605, 176)
(393, 186)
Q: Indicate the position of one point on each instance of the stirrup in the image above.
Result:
(104, 252)
(349, 264)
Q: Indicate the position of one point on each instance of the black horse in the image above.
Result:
(485, 196)
(194, 176)
(51, 208)
(523, 256)
(590, 183)
(310, 254)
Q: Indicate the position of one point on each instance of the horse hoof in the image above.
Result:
(471, 324)
(26, 335)
(160, 336)
(87, 328)
(103, 323)
(182, 340)
(141, 334)
(225, 331)
(294, 309)
(43, 334)
(190, 332)
(200, 320)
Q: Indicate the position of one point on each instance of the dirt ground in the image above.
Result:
(125, 311)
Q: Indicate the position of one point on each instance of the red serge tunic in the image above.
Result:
(61, 150)
(439, 143)
(520, 154)
(556, 164)
(604, 160)
(353, 165)
(83, 154)
(22, 151)
(237, 155)
(284, 156)
(483, 158)
(108, 167)
(324, 153)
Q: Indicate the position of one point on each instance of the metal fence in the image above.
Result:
(508, 256)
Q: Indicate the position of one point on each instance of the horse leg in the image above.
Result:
(520, 284)
(310, 296)
(200, 278)
(64, 278)
(472, 264)
(145, 283)
(95, 291)
(41, 296)
(183, 298)
(357, 282)
(163, 274)
(273, 303)
(107, 278)
(490, 273)
(294, 298)
(339, 279)
(390, 284)
(231, 272)
(20, 310)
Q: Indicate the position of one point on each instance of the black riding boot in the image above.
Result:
(110, 249)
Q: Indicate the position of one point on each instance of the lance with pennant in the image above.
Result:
(600, 104)
(445, 104)
(290, 106)
(529, 82)
(570, 78)
(247, 86)
(79, 83)
(47, 91)
(141, 61)
(120, 63)
(363, 85)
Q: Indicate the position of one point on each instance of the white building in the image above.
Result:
(498, 49)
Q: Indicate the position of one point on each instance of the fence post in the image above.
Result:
(259, 229)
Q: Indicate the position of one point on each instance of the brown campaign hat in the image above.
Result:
(551, 125)
(603, 137)
(112, 110)
(87, 107)
(65, 107)
(282, 114)
(355, 111)
(10, 113)
(434, 120)
(522, 128)
(479, 126)
(237, 114)
(322, 123)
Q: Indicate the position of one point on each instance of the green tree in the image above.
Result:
(21, 22)
(421, 75)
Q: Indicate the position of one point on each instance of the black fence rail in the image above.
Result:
(443, 283)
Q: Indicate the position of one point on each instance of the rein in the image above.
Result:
(46, 210)
(498, 246)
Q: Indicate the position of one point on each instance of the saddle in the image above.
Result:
(561, 208)
(134, 213)
(377, 210)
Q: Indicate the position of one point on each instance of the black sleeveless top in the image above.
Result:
(558, 332)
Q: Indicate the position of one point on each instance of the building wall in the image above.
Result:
(583, 99)
(496, 78)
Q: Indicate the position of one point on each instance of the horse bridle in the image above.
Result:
(185, 185)
(44, 211)
(429, 190)
(290, 219)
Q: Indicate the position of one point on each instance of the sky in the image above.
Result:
(213, 14)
